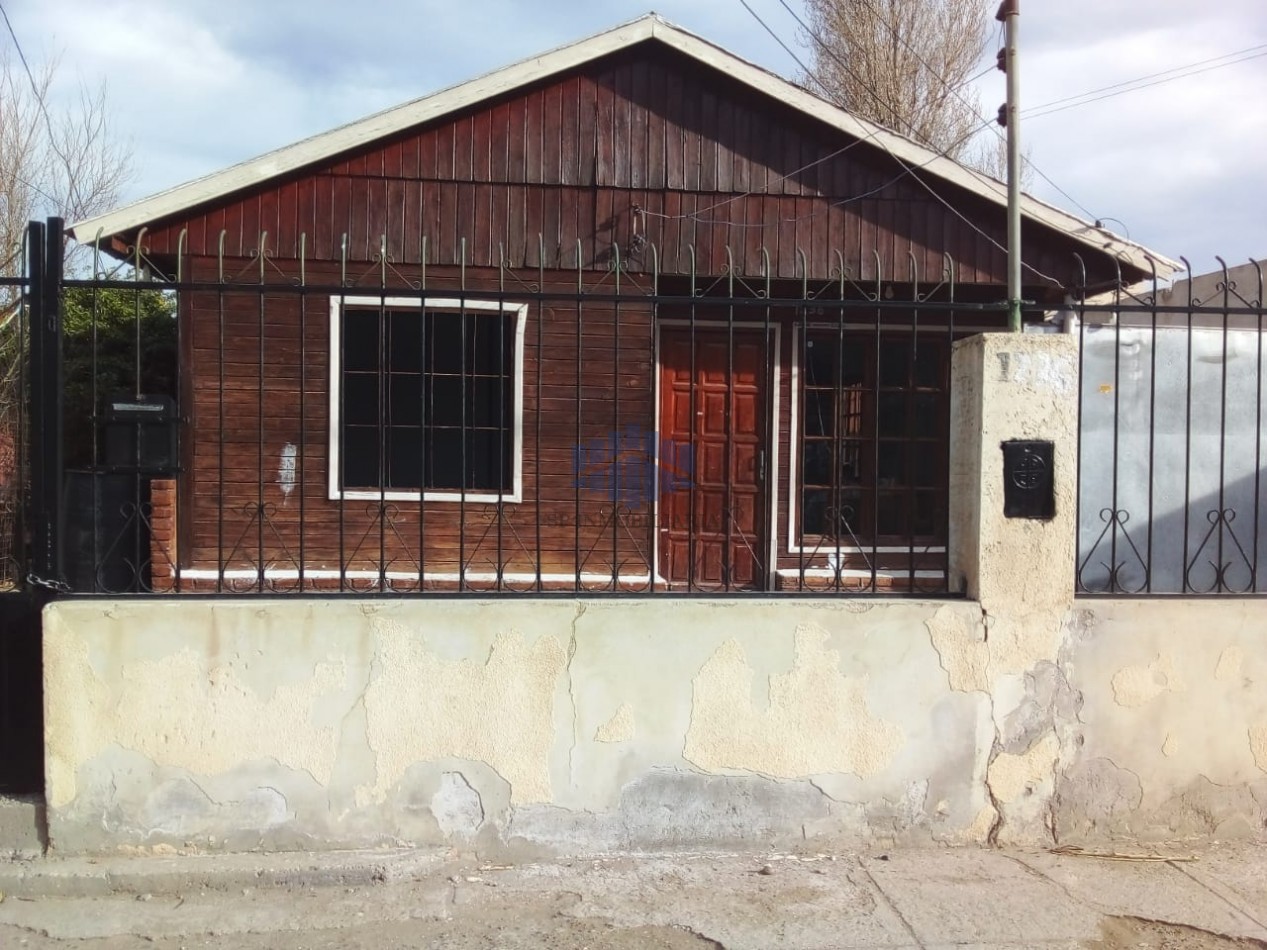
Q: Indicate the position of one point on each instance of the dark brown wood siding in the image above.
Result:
(259, 383)
(640, 149)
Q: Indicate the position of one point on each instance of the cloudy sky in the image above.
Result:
(199, 84)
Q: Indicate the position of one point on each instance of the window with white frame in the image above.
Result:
(426, 398)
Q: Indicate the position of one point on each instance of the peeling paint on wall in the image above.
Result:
(620, 728)
(1011, 777)
(817, 720)
(177, 712)
(286, 470)
(1050, 372)
(1135, 686)
(1231, 660)
(975, 649)
(1258, 745)
(421, 708)
(958, 636)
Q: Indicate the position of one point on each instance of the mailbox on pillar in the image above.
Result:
(1029, 486)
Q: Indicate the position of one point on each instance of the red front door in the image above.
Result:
(713, 417)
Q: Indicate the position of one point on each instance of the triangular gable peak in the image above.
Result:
(642, 137)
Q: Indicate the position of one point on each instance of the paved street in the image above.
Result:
(679, 901)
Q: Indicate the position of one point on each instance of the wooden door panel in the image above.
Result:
(702, 540)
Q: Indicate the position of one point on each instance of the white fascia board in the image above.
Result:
(399, 118)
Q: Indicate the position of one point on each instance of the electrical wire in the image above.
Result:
(1164, 72)
(809, 73)
(871, 135)
(39, 100)
(742, 225)
(1037, 112)
(907, 168)
(954, 90)
(22, 56)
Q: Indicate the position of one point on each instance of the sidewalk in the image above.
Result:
(670, 901)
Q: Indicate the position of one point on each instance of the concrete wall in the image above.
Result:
(643, 723)
(595, 724)
(1167, 737)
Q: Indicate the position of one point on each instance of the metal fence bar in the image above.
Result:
(1183, 444)
(354, 540)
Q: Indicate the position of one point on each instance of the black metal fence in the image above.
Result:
(1171, 486)
(272, 426)
(15, 385)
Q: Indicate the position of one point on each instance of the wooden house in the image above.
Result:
(631, 315)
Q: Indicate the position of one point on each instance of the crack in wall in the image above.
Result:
(581, 608)
(996, 748)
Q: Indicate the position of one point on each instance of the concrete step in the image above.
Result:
(23, 826)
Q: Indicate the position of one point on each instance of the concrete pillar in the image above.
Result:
(1012, 386)
(1020, 571)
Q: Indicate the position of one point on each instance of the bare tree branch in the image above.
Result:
(902, 63)
(54, 158)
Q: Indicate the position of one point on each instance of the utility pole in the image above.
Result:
(1010, 117)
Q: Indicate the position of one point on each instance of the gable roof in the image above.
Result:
(326, 145)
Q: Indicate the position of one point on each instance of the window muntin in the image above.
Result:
(427, 398)
(872, 433)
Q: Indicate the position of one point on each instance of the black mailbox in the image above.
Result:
(141, 435)
(1029, 487)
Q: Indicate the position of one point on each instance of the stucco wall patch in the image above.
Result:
(958, 636)
(817, 720)
(181, 711)
(421, 708)
(1135, 686)
(620, 728)
(1012, 776)
(1258, 745)
(1231, 661)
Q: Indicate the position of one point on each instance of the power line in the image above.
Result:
(908, 172)
(954, 90)
(1037, 112)
(907, 169)
(39, 100)
(39, 96)
(884, 104)
(1164, 72)
(871, 135)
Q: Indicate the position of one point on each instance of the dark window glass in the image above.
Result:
(931, 366)
(431, 409)
(361, 340)
(406, 342)
(360, 399)
(895, 363)
(873, 434)
(360, 455)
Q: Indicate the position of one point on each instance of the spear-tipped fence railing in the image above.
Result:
(1171, 482)
(263, 424)
(438, 427)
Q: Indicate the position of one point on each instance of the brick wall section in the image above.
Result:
(163, 534)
